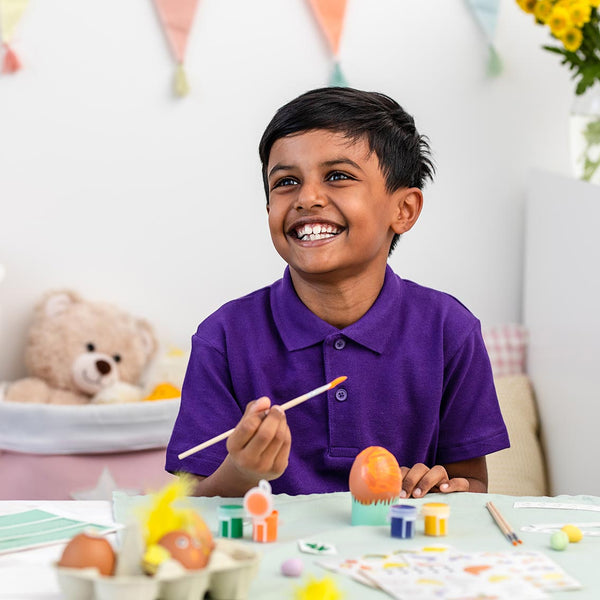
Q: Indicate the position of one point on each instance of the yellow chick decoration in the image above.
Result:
(319, 589)
(167, 514)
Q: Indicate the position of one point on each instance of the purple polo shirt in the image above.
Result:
(419, 383)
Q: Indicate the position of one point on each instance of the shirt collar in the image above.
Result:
(301, 328)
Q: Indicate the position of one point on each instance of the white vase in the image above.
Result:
(585, 135)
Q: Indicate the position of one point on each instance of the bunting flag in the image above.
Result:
(330, 16)
(486, 15)
(176, 17)
(11, 12)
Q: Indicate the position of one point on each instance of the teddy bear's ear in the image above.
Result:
(148, 338)
(56, 303)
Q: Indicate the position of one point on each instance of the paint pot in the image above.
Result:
(403, 517)
(265, 530)
(231, 520)
(436, 518)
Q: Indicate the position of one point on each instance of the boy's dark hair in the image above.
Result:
(404, 155)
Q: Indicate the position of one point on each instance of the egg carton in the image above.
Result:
(226, 577)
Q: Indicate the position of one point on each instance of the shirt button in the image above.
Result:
(341, 394)
(339, 344)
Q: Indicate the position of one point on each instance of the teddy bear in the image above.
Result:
(77, 348)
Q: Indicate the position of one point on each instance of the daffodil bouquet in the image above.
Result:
(576, 24)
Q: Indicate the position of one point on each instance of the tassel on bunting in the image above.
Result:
(337, 78)
(182, 86)
(494, 66)
(11, 62)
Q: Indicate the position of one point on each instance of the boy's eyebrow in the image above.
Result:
(340, 161)
(327, 163)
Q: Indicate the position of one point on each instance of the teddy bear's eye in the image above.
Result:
(91, 347)
(117, 357)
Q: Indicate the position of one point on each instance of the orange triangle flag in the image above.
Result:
(177, 17)
(330, 15)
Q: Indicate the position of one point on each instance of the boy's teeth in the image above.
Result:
(316, 231)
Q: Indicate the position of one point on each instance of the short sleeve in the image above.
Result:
(471, 424)
(208, 408)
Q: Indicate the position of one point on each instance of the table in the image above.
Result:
(29, 575)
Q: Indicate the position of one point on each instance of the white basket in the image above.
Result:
(89, 429)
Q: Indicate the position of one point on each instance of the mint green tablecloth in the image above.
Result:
(326, 518)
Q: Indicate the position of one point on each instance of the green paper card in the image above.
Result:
(34, 528)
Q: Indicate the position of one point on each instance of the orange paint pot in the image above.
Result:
(436, 518)
(265, 530)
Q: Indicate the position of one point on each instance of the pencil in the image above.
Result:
(286, 406)
(503, 525)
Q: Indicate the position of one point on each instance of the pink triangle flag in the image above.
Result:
(177, 17)
(330, 15)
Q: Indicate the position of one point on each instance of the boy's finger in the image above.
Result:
(274, 449)
(411, 477)
(265, 432)
(434, 477)
(249, 423)
(456, 484)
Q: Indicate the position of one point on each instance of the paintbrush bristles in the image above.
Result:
(284, 407)
(503, 525)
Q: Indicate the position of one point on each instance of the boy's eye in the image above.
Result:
(285, 181)
(338, 176)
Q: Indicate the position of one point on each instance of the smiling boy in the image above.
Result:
(343, 171)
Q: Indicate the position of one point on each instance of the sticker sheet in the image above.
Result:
(445, 574)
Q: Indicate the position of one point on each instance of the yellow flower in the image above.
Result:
(594, 3)
(527, 5)
(558, 21)
(580, 13)
(572, 39)
(543, 8)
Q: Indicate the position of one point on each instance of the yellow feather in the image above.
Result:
(315, 589)
(163, 516)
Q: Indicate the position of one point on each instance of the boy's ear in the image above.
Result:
(409, 202)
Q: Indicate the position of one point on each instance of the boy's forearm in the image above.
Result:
(226, 481)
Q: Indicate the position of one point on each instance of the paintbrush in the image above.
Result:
(289, 404)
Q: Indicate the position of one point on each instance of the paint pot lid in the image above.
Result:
(435, 509)
(231, 511)
(403, 511)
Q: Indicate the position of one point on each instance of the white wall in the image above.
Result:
(111, 186)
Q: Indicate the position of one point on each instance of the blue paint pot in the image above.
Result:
(403, 517)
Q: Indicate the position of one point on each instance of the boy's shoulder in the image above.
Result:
(441, 311)
(244, 311)
(426, 298)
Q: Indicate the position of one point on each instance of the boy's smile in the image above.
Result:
(330, 214)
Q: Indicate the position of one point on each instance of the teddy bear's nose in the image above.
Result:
(103, 367)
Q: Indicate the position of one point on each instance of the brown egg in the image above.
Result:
(375, 476)
(185, 549)
(89, 550)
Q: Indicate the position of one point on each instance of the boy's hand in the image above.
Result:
(464, 476)
(259, 447)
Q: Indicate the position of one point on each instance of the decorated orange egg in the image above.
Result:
(185, 549)
(89, 550)
(375, 476)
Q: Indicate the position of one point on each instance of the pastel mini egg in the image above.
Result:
(292, 567)
(375, 476)
(559, 540)
(574, 533)
(89, 550)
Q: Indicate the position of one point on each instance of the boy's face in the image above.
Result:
(329, 210)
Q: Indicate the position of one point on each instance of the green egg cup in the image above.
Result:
(371, 514)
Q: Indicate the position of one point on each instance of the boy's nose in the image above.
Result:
(310, 196)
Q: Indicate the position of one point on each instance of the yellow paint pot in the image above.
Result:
(436, 518)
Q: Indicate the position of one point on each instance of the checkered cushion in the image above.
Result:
(507, 347)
